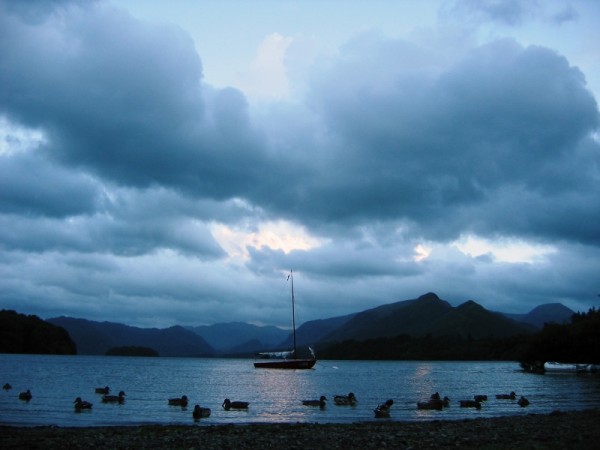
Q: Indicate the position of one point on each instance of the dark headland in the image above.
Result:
(578, 429)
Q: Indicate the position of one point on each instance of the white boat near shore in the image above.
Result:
(552, 366)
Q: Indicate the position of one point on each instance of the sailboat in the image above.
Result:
(287, 360)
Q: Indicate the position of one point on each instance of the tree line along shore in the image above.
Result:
(574, 342)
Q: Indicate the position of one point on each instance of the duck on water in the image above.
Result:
(200, 412)
(510, 396)
(434, 402)
(25, 395)
(383, 410)
(470, 404)
(320, 403)
(81, 404)
(182, 401)
(114, 398)
(228, 404)
(345, 400)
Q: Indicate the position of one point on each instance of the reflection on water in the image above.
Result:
(274, 395)
(422, 380)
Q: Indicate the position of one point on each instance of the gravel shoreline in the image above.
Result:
(577, 429)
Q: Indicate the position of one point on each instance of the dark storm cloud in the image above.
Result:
(126, 101)
(404, 137)
(136, 222)
(422, 148)
(396, 144)
(129, 223)
(31, 185)
(342, 260)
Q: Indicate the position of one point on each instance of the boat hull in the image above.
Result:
(286, 364)
(566, 367)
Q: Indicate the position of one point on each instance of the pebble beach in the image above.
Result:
(558, 430)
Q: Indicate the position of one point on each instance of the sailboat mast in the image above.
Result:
(293, 312)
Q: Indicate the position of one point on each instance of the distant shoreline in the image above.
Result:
(575, 429)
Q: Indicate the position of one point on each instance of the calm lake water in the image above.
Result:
(274, 396)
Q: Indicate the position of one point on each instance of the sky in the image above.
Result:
(169, 163)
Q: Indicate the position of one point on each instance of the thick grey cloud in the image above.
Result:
(396, 143)
(406, 139)
(126, 101)
(128, 224)
(31, 185)
(417, 148)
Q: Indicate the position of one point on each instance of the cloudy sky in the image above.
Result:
(168, 163)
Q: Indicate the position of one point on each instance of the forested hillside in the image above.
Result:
(575, 342)
(30, 334)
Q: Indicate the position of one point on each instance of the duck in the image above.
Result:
(344, 400)
(25, 395)
(7, 387)
(228, 404)
(510, 396)
(114, 398)
(480, 398)
(470, 404)
(103, 390)
(320, 403)
(200, 412)
(81, 404)
(523, 402)
(434, 403)
(383, 410)
(183, 401)
(431, 404)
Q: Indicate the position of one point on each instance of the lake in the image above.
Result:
(274, 395)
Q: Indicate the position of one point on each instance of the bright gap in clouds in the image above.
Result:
(276, 235)
(504, 250)
(15, 138)
(267, 77)
(421, 252)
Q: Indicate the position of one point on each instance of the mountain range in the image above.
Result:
(96, 338)
(240, 337)
(549, 312)
(426, 315)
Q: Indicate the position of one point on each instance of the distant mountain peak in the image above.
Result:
(546, 313)
(553, 308)
(95, 338)
(428, 297)
(470, 304)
